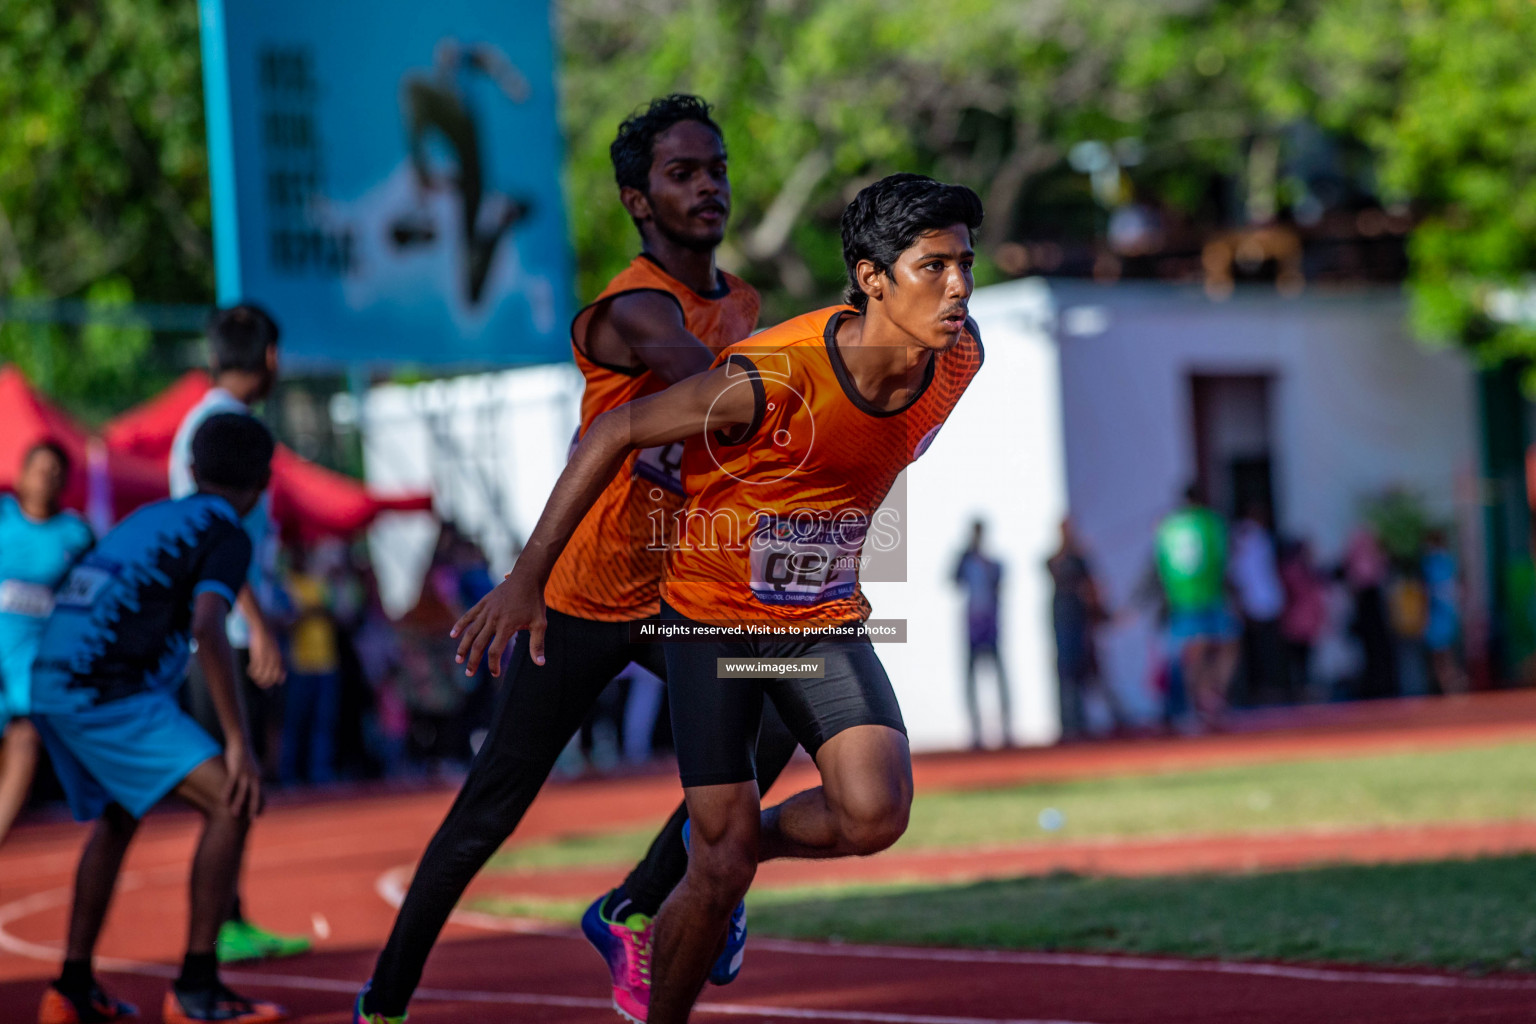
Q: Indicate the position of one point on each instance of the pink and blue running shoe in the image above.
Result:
(728, 965)
(625, 947)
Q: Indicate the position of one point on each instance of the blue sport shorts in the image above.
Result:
(131, 752)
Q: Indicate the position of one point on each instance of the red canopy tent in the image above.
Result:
(124, 478)
(308, 500)
(148, 428)
(128, 465)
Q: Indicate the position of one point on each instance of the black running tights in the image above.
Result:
(538, 710)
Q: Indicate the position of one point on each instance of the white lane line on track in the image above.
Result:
(52, 898)
(392, 886)
(1129, 963)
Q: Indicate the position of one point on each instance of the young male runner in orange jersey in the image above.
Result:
(794, 438)
(660, 320)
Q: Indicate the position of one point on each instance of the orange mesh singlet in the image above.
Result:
(610, 569)
(777, 527)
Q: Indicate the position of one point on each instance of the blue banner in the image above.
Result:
(386, 177)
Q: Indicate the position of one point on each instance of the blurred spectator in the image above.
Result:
(443, 571)
(1365, 573)
(312, 693)
(1261, 600)
(1337, 658)
(354, 747)
(1408, 615)
(1166, 676)
(1077, 609)
(379, 656)
(1191, 548)
(436, 690)
(981, 577)
(474, 572)
(474, 582)
(242, 341)
(39, 543)
(1442, 580)
(642, 707)
(599, 741)
(1305, 615)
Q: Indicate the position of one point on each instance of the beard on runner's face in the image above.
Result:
(700, 226)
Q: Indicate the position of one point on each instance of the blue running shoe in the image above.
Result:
(728, 965)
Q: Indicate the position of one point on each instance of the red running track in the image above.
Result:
(315, 866)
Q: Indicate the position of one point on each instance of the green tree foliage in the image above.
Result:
(1444, 93)
(817, 99)
(103, 184)
(103, 177)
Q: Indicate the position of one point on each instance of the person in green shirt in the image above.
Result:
(1191, 554)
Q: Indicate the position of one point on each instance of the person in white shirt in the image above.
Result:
(1255, 574)
(242, 341)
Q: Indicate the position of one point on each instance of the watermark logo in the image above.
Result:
(784, 408)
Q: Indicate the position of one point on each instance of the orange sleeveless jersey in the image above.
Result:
(611, 568)
(779, 526)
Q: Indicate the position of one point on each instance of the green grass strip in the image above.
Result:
(1495, 783)
(1468, 915)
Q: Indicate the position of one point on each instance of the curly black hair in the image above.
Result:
(634, 147)
(885, 218)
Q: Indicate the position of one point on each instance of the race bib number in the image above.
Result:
(83, 585)
(18, 597)
(806, 561)
(662, 466)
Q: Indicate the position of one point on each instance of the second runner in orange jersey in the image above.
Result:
(610, 569)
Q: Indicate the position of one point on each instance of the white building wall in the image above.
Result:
(488, 446)
(1357, 407)
(998, 458)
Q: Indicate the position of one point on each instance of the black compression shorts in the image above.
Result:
(715, 718)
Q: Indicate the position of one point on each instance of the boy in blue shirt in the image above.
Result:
(39, 541)
(109, 662)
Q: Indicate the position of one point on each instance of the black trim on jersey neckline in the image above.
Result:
(981, 352)
(744, 432)
(628, 371)
(713, 294)
(851, 387)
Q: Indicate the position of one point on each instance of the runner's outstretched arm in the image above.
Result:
(710, 400)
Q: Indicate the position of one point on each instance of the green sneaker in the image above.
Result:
(241, 940)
